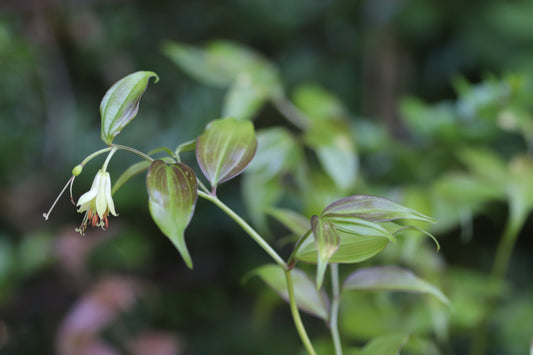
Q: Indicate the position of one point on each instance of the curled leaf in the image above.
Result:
(121, 103)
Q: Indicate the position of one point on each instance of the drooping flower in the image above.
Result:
(97, 203)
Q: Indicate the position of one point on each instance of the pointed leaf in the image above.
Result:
(225, 149)
(327, 242)
(352, 249)
(121, 103)
(220, 62)
(334, 147)
(172, 192)
(130, 172)
(390, 344)
(360, 227)
(244, 99)
(318, 104)
(294, 221)
(308, 298)
(372, 208)
(390, 278)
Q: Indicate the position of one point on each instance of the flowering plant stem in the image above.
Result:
(268, 249)
(336, 298)
(515, 222)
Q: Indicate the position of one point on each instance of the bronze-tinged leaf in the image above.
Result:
(172, 193)
(372, 208)
(225, 149)
(327, 242)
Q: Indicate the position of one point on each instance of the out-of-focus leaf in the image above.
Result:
(34, 252)
(484, 164)
(327, 242)
(244, 99)
(334, 147)
(130, 172)
(421, 346)
(121, 103)
(372, 208)
(384, 345)
(172, 192)
(277, 151)
(260, 195)
(317, 103)
(220, 62)
(308, 298)
(294, 221)
(351, 249)
(203, 66)
(225, 149)
(390, 278)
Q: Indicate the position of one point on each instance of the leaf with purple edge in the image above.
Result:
(327, 242)
(390, 278)
(372, 208)
(225, 149)
(172, 193)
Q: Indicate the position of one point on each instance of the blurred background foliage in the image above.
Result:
(434, 99)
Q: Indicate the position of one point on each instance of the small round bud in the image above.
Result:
(77, 170)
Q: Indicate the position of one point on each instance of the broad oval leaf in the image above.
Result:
(372, 208)
(121, 103)
(352, 249)
(308, 298)
(390, 278)
(225, 149)
(327, 242)
(172, 193)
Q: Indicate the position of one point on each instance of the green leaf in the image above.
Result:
(308, 298)
(318, 103)
(360, 227)
(130, 172)
(372, 208)
(225, 149)
(327, 242)
(352, 249)
(172, 193)
(294, 221)
(275, 142)
(121, 103)
(220, 62)
(334, 147)
(390, 344)
(244, 99)
(390, 278)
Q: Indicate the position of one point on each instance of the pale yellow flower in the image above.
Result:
(97, 203)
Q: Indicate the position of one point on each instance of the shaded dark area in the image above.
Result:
(429, 88)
